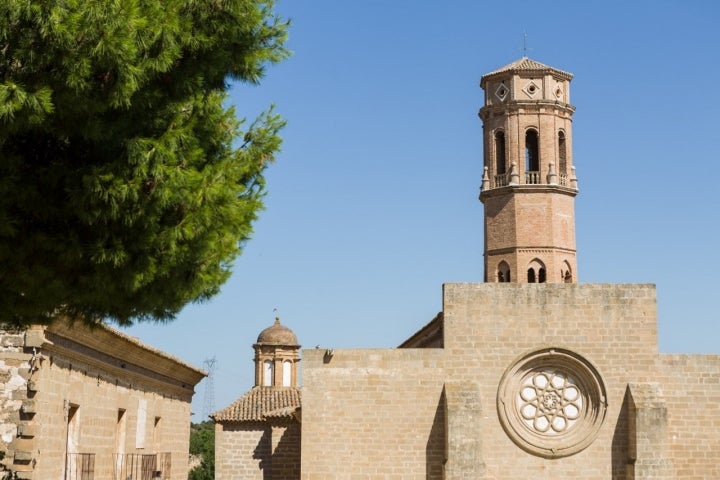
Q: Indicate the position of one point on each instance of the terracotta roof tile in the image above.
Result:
(526, 64)
(261, 403)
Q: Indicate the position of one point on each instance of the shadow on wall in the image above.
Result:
(284, 461)
(262, 452)
(435, 449)
(620, 442)
(286, 457)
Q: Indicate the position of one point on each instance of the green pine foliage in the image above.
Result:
(127, 186)
(202, 443)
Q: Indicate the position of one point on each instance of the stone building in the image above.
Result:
(84, 404)
(529, 374)
(258, 436)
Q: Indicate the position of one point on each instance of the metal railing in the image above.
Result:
(138, 466)
(80, 466)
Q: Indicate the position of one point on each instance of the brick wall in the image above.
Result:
(522, 225)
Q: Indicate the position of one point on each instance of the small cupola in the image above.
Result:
(277, 354)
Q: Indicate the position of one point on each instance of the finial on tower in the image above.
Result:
(524, 46)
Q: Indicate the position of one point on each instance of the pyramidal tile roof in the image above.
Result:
(526, 64)
(261, 403)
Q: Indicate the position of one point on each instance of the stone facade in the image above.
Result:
(437, 413)
(82, 403)
(258, 435)
(528, 375)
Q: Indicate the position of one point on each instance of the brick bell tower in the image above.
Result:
(529, 184)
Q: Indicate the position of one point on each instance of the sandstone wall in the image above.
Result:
(373, 414)
(76, 401)
(612, 326)
(691, 386)
(16, 402)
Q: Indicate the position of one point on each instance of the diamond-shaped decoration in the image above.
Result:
(502, 92)
(531, 89)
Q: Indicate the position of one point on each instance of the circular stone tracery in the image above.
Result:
(551, 402)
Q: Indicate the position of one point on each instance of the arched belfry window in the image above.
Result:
(503, 272)
(566, 273)
(500, 155)
(531, 275)
(268, 373)
(536, 272)
(287, 373)
(532, 158)
(562, 152)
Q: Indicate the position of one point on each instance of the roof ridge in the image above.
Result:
(259, 402)
(528, 64)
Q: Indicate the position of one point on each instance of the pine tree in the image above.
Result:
(127, 186)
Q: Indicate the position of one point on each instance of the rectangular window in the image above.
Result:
(141, 423)
(157, 434)
(72, 439)
(120, 436)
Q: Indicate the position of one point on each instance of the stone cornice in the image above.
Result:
(538, 249)
(121, 355)
(527, 189)
(515, 106)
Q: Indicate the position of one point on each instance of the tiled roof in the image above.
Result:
(261, 403)
(526, 64)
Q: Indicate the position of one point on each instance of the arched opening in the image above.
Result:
(566, 273)
(532, 158)
(503, 272)
(562, 153)
(267, 373)
(500, 153)
(287, 373)
(536, 272)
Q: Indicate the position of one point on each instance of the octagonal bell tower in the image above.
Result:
(529, 184)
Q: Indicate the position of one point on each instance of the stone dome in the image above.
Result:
(277, 334)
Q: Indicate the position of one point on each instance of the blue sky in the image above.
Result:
(372, 203)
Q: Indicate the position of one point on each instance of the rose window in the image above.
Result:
(551, 402)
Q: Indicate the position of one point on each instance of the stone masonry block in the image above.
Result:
(29, 406)
(35, 338)
(26, 430)
(23, 455)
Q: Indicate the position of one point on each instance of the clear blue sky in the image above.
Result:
(372, 203)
